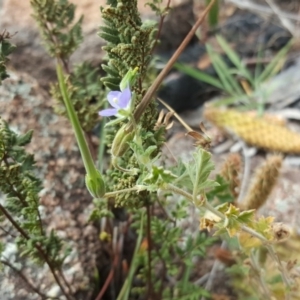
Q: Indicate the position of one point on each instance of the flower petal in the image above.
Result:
(112, 97)
(125, 98)
(108, 112)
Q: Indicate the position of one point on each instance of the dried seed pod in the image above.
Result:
(120, 143)
(164, 120)
(256, 131)
(230, 171)
(95, 184)
(201, 138)
(263, 183)
(280, 231)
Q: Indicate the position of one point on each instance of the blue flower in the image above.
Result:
(120, 102)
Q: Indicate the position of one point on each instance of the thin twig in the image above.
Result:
(284, 21)
(62, 275)
(7, 232)
(162, 18)
(21, 197)
(165, 212)
(255, 265)
(39, 248)
(281, 268)
(150, 92)
(213, 271)
(208, 206)
(64, 61)
(112, 194)
(23, 277)
(246, 175)
(250, 5)
(111, 273)
(176, 115)
(202, 279)
(212, 209)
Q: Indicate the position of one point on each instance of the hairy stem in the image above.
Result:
(257, 269)
(160, 26)
(208, 206)
(112, 194)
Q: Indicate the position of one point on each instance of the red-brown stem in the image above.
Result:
(7, 232)
(54, 41)
(111, 274)
(162, 18)
(39, 248)
(150, 92)
(62, 275)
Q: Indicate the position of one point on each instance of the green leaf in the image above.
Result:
(232, 211)
(199, 170)
(65, 35)
(235, 59)
(24, 139)
(109, 37)
(144, 157)
(221, 192)
(276, 64)
(183, 178)
(6, 48)
(213, 15)
(246, 217)
(244, 99)
(222, 207)
(159, 175)
(263, 226)
(198, 74)
(222, 72)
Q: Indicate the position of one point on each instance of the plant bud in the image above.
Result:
(95, 184)
(129, 79)
(120, 143)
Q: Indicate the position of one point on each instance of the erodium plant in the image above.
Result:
(156, 197)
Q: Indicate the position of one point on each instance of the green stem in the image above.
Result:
(258, 274)
(102, 145)
(93, 179)
(124, 293)
(112, 194)
(82, 144)
(208, 206)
